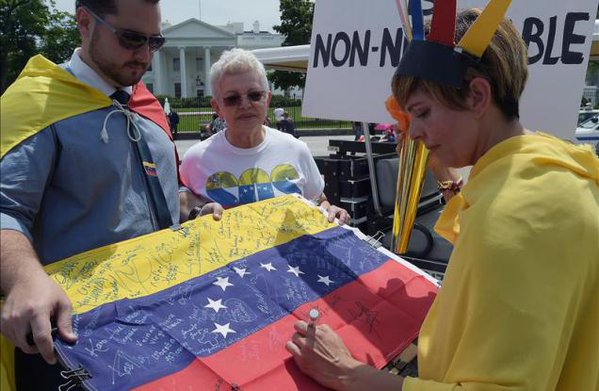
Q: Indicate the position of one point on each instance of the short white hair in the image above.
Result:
(234, 62)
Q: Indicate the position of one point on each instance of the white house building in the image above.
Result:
(181, 67)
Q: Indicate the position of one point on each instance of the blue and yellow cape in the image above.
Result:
(43, 94)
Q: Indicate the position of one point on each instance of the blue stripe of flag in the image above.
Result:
(131, 342)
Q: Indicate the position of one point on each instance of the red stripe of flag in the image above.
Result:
(376, 317)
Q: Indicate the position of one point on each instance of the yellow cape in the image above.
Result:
(43, 94)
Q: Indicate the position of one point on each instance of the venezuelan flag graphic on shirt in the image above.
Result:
(211, 306)
(254, 184)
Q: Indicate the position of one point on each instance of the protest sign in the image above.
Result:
(356, 46)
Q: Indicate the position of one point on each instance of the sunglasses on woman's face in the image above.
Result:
(235, 100)
(132, 40)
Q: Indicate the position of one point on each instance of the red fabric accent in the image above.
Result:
(443, 23)
(145, 103)
(376, 316)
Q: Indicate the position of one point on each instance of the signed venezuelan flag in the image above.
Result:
(211, 306)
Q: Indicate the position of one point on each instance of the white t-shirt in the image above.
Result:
(278, 112)
(235, 176)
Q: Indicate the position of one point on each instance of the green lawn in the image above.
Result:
(202, 116)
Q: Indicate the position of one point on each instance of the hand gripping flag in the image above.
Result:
(211, 306)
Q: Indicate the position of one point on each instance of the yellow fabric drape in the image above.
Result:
(43, 94)
(518, 306)
(7, 365)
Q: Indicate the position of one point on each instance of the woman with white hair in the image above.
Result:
(248, 161)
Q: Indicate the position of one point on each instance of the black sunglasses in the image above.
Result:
(235, 100)
(132, 40)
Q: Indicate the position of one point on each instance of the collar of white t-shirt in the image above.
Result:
(248, 151)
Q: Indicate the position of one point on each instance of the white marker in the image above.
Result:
(314, 315)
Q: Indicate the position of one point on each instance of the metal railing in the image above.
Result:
(196, 119)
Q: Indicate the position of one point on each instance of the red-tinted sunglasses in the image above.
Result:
(132, 40)
(235, 100)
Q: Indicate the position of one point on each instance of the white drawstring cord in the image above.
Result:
(133, 132)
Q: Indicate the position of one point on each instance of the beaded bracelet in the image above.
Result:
(452, 186)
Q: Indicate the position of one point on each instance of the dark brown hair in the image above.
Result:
(103, 7)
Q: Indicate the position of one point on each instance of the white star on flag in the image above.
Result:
(325, 280)
(241, 272)
(295, 270)
(223, 282)
(216, 305)
(223, 329)
(268, 266)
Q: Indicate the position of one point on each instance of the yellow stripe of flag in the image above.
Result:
(151, 263)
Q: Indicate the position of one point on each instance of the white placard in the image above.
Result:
(356, 44)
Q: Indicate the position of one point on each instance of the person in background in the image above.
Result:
(358, 131)
(278, 112)
(218, 123)
(372, 128)
(371, 132)
(288, 125)
(387, 132)
(518, 306)
(173, 120)
(248, 162)
(63, 190)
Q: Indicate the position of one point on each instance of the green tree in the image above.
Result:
(61, 37)
(296, 26)
(29, 27)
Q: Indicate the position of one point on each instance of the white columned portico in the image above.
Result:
(173, 73)
(207, 65)
(157, 70)
(183, 71)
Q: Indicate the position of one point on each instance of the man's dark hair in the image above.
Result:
(103, 7)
